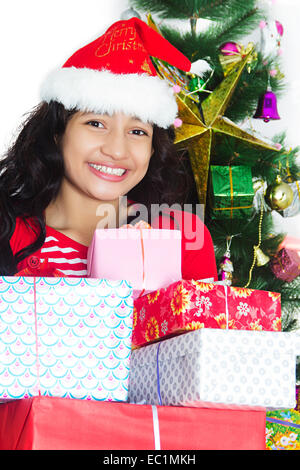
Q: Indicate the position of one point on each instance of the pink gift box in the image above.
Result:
(286, 264)
(149, 259)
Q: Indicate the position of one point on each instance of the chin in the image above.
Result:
(107, 198)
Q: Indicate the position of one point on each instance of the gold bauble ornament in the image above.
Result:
(279, 195)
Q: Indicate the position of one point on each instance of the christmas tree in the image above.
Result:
(239, 178)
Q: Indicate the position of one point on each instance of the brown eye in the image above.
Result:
(95, 124)
(138, 132)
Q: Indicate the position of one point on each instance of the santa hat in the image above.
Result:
(115, 73)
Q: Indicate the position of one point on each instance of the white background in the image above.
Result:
(37, 36)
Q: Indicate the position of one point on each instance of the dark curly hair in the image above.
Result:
(32, 170)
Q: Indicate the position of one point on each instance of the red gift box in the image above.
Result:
(47, 423)
(190, 305)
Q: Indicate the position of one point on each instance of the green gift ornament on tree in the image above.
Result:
(196, 83)
(231, 192)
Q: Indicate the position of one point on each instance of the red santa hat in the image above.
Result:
(115, 73)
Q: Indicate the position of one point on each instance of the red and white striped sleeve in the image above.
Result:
(64, 254)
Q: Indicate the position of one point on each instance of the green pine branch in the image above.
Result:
(290, 310)
(265, 164)
(205, 44)
(245, 237)
(215, 10)
(235, 20)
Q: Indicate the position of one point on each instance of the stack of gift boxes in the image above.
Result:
(135, 333)
(232, 352)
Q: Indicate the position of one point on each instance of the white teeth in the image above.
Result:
(107, 169)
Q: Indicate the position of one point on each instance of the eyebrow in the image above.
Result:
(133, 118)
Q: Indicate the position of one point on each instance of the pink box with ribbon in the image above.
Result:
(286, 263)
(148, 259)
(65, 337)
(191, 305)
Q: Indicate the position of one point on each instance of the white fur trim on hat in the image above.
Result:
(148, 98)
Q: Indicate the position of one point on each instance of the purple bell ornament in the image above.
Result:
(267, 107)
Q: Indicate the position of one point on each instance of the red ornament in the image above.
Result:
(279, 28)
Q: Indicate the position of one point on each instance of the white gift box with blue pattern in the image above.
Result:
(216, 366)
(65, 337)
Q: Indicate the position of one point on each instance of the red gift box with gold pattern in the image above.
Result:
(190, 305)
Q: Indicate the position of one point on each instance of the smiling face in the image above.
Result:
(106, 156)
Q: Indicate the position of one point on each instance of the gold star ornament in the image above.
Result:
(197, 132)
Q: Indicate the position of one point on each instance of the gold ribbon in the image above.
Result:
(232, 207)
(297, 184)
(231, 191)
(143, 260)
(140, 226)
(277, 258)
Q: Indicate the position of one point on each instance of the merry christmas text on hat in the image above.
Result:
(114, 73)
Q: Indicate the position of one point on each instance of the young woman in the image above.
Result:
(104, 130)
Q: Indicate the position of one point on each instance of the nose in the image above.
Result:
(114, 145)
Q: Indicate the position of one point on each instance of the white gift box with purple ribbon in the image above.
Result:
(65, 337)
(216, 367)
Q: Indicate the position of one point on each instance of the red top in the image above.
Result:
(59, 252)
